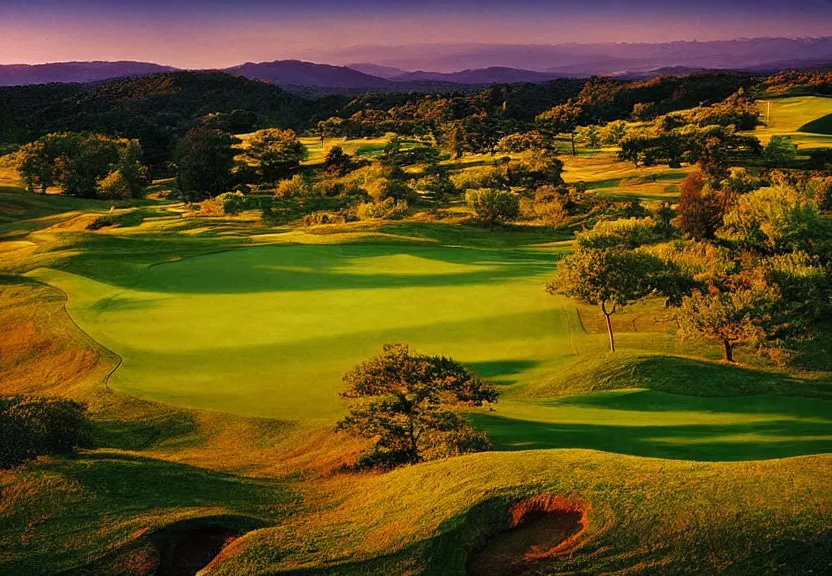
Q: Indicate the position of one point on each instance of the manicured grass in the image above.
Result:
(795, 117)
(656, 424)
(269, 331)
(611, 178)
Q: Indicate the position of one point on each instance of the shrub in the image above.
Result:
(382, 189)
(549, 206)
(475, 178)
(821, 190)
(320, 217)
(492, 206)
(293, 188)
(437, 184)
(389, 209)
(232, 202)
(31, 426)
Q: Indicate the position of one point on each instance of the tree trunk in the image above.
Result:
(414, 451)
(572, 134)
(729, 350)
(609, 331)
(607, 315)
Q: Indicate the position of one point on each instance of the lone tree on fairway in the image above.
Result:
(610, 278)
(492, 206)
(407, 403)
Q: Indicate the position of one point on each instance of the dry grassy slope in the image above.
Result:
(645, 516)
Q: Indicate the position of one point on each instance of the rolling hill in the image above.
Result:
(300, 73)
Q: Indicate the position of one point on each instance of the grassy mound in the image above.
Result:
(644, 516)
(822, 125)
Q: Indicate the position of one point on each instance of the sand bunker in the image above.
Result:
(540, 528)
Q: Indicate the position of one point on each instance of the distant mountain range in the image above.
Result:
(588, 59)
(427, 67)
(25, 74)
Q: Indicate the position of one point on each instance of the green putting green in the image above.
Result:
(269, 331)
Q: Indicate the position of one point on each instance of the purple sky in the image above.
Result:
(218, 33)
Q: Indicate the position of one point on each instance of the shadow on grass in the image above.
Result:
(688, 376)
(132, 482)
(502, 371)
(304, 268)
(650, 401)
(158, 429)
(822, 125)
(724, 442)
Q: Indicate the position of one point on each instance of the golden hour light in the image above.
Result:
(426, 288)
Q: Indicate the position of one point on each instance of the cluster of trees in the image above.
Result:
(207, 160)
(713, 148)
(84, 164)
(706, 136)
(796, 82)
(36, 426)
(156, 110)
(477, 123)
(747, 261)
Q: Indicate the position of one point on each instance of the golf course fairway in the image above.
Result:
(270, 331)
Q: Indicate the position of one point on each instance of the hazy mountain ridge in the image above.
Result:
(415, 68)
(66, 72)
(308, 74)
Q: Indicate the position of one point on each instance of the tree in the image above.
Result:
(115, 186)
(80, 162)
(408, 403)
(610, 278)
(277, 153)
(337, 161)
(729, 317)
(700, 211)
(204, 159)
(714, 148)
(36, 164)
(780, 150)
(492, 206)
(560, 120)
(776, 220)
(614, 132)
(592, 136)
(455, 138)
(522, 141)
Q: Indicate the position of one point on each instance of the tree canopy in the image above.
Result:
(408, 405)
(204, 161)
